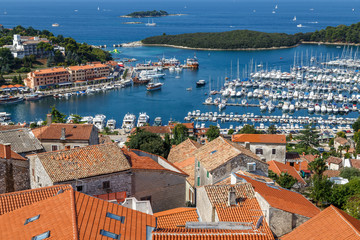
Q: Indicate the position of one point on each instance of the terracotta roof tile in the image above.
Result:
(331, 173)
(341, 140)
(309, 158)
(330, 224)
(51, 70)
(139, 162)
(355, 163)
(13, 154)
(183, 151)
(188, 166)
(72, 131)
(84, 162)
(176, 217)
(219, 151)
(334, 160)
(278, 168)
(88, 67)
(15, 200)
(282, 198)
(259, 138)
(74, 215)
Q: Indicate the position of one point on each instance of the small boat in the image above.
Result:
(299, 25)
(189, 89)
(200, 83)
(55, 25)
(209, 100)
(157, 121)
(294, 19)
(154, 86)
(31, 97)
(10, 99)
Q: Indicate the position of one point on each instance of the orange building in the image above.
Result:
(47, 77)
(88, 72)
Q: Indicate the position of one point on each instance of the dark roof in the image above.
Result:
(292, 156)
(22, 140)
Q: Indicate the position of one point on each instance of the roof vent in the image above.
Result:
(63, 136)
(232, 197)
(75, 126)
(259, 222)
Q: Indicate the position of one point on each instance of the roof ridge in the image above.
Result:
(33, 190)
(74, 216)
(230, 144)
(345, 219)
(183, 209)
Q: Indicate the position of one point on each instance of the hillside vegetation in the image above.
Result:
(153, 13)
(242, 39)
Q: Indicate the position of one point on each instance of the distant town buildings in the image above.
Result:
(58, 76)
(25, 46)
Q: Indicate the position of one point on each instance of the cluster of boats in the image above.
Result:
(129, 121)
(295, 122)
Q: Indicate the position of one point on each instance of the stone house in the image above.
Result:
(182, 157)
(334, 163)
(284, 210)
(14, 170)
(267, 146)
(106, 168)
(22, 141)
(339, 141)
(59, 136)
(217, 159)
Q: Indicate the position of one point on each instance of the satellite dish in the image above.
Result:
(259, 222)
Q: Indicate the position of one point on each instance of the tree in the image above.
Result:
(167, 145)
(286, 181)
(76, 118)
(352, 206)
(309, 137)
(248, 129)
(147, 141)
(318, 166)
(231, 131)
(356, 125)
(180, 133)
(6, 59)
(320, 190)
(57, 117)
(349, 173)
(212, 133)
(341, 134)
(272, 129)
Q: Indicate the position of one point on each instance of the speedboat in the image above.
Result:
(154, 86)
(143, 119)
(200, 83)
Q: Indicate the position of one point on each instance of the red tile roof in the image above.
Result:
(183, 151)
(119, 197)
(188, 166)
(278, 168)
(355, 163)
(187, 125)
(72, 131)
(15, 200)
(331, 173)
(74, 215)
(334, 160)
(176, 217)
(83, 162)
(139, 162)
(259, 138)
(13, 154)
(332, 223)
(282, 198)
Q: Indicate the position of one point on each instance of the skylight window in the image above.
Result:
(213, 152)
(109, 234)
(116, 217)
(29, 220)
(41, 236)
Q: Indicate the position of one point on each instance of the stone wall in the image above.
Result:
(165, 190)
(203, 205)
(14, 175)
(233, 165)
(38, 175)
(279, 156)
(62, 144)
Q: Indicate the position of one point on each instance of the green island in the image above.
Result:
(143, 14)
(246, 39)
(75, 53)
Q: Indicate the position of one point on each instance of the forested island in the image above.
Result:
(75, 53)
(246, 39)
(143, 14)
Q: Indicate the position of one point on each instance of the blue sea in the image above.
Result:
(98, 23)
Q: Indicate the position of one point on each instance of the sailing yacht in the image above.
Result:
(294, 19)
(152, 24)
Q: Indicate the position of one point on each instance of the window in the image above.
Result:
(109, 234)
(198, 164)
(79, 188)
(54, 147)
(207, 174)
(29, 220)
(292, 164)
(116, 217)
(259, 151)
(76, 146)
(106, 184)
(38, 179)
(198, 181)
(274, 151)
(41, 236)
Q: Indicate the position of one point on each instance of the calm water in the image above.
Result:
(87, 24)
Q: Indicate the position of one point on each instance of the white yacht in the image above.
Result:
(150, 24)
(87, 119)
(294, 19)
(157, 121)
(129, 121)
(111, 124)
(143, 119)
(99, 121)
(299, 25)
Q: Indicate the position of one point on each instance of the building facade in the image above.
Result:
(47, 77)
(88, 72)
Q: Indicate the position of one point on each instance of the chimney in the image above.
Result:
(7, 150)
(48, 119)
(247, 145)
(232, 197)
(63, 134)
